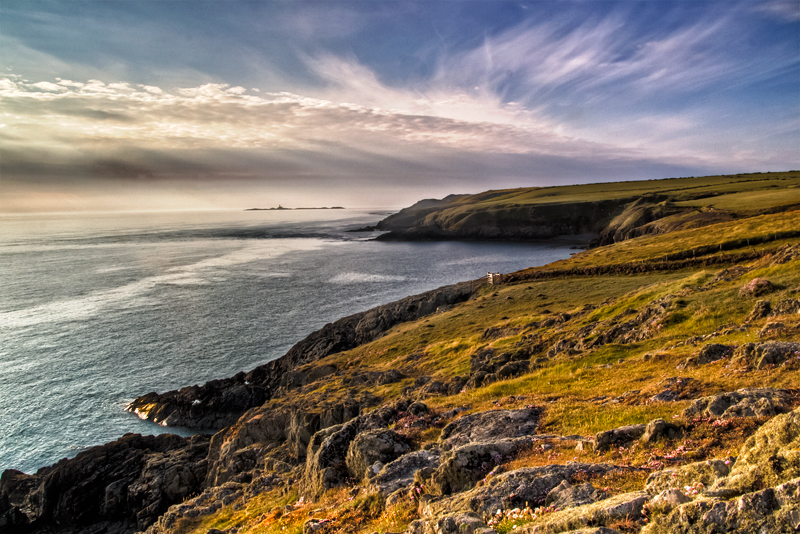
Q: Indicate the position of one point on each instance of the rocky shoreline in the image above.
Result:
(220, 403)
(445, 406)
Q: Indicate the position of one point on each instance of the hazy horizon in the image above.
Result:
(170, 105)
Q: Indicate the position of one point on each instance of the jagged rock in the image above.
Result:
(761, 309)
(769, 510)
(514, 489)
(763, 402)
(399, 474)
(625, 506)
(760, 355)
(272, 465)
(304, 375)
(371, 378)
(772, 329)
(657, 429)
(12, 519)
(490, 426)
(642, 327)
(372, 446)
(769, 457)
(243, 446)
(212, 499)
(706, 472)
(566, 495)
(756, 287)
(462, 467)
(488, 367)
(565, 346)
(761, 493)
(618, 437)
(667, 500)
(326, 465)
(118, 487)
(708, 354)
(786, 307)
(464, 523)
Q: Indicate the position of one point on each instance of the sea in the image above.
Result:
(98, 308)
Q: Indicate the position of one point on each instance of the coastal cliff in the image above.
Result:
(646, 386)
(220, 403)
(612, 212)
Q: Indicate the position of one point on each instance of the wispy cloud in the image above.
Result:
(788, 10)
(632, 91)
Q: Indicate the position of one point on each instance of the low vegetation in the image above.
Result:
(584, 382)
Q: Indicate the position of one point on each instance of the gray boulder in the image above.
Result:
(565, 495)
(708, 354)
(326, 460)
(490, 426)
(760, 494)
(381, 445)
(769, 457)
(658, 429)
(668, 500)
(515, 489)
(706, 472)
(399, 474)
(628, 506)
(462, 467)
(459, 523)
(761, 402)
(761, 309)
(786, 307)
(761, 355)
(769, 510)
(618, 437)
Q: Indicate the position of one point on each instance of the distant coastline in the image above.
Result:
(281, 208)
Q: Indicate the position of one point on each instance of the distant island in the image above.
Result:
(281, 208)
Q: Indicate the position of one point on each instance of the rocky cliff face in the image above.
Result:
(504, 222)
(119, 487)
(220, 403)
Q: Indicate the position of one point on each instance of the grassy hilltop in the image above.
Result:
(688, 287)
(703, 302)
(615, 211)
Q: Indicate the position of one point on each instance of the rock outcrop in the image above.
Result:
(327, 464)
(451, 219)
(760, 402)
(760, 492)
(491, 425)
(119, 487)
(762, 355)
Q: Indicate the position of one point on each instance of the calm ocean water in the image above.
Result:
(96, 309)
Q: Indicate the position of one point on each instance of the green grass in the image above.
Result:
(576, 390)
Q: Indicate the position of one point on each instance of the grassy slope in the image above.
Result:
(574, 389)
(739, 195)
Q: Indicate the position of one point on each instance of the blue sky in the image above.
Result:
(186, 104)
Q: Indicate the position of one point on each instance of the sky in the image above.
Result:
(150, 104)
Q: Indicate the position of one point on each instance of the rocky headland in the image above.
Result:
(611, 212)
(648, 385)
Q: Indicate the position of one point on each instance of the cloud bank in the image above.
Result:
(559, 99)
